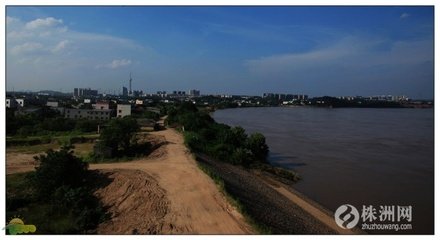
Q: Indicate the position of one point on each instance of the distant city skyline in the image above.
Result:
(335, 51)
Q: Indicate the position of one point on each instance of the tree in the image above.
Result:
(239, 136)
(241, 156)
(119, 134)
(256, 143)
(57, 169)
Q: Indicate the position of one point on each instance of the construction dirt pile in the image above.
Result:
(135, 201)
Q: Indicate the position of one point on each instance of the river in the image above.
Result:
(362, 157)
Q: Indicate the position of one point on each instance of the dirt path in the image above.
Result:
(195, 204)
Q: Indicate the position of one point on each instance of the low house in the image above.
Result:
(123, 110)
(11, 103)
(52, 104)
(14, 102)
(91, 114)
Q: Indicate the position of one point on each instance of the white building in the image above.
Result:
(123, 110)
(12, 102)
(53, 104)
(20, 102)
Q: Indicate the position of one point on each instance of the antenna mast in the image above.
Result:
(130, 85)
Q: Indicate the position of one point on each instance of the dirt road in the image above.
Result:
(195, 204)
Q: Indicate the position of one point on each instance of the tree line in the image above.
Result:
(222, 142)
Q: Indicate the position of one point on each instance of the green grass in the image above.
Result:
(20, 203)
(48, 217)
(235, 202)
(39, 148)
(81, 149)
(46, 220)
(16, 182)
(59, 136)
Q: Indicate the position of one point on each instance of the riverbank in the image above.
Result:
(271, 203)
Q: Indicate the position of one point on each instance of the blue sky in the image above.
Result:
(234, 50)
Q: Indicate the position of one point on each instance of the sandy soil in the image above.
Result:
(20, 159)
(19, 162)
(195, 204)
(137, 204)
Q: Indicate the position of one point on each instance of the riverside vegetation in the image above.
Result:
(222, 142)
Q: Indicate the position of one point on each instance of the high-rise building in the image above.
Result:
(194, 93)
(84, 92)
(124, 91)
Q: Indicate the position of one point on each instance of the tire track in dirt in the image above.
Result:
(195, 204)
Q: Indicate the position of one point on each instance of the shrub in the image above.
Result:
(56, 169)
(193, 141)
(241, 156)
(119, 134)
(256, 143)
(85, 125)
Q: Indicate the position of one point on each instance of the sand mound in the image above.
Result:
(135, 201)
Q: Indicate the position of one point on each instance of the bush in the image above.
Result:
(58, 196)
(57, 124)
(241, 156)
(57, 169)
(256, 143)
(193, 141)
(85, 125)
(151, 115)
(119, 134)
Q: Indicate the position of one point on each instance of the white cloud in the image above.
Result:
(349, 54)
(33, 48)
(26, 48)
(43, 23)
(60, 46)
(120, 63)
(404, 15)
(117, 63)
(10, 20)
